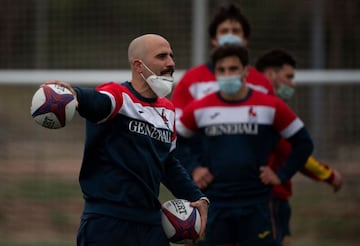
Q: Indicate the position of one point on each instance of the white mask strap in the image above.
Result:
(147, 67)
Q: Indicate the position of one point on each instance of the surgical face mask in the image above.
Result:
(285, 92)
(160, 85)
(230, 39)
(229, 84)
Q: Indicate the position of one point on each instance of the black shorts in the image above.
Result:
(99, 230)
(282, 211)
(248, 225)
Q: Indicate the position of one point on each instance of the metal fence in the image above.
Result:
(94, 34)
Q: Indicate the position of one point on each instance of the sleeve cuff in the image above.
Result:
(205, 199)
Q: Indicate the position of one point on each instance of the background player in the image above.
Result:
(279, 67)
(228, 25)
(241, 127)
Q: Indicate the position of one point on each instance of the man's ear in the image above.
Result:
(246, 71)
(272, 74)
(137, 65)
(269, 73)
(214, 42)
(245, 42)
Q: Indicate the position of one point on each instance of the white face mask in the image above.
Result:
(230, 39)
(230, 84)
(285, 92)
(160, 85)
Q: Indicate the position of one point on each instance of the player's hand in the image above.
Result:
(202, 206)
(63, 84)
(336, 181)
(268, 176)
(202, 177)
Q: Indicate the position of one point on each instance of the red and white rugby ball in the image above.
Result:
(53, 106)
(180, 221)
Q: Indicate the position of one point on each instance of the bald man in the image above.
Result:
(130, 138)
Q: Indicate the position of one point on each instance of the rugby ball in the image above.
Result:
(180, 221)
(53, 106)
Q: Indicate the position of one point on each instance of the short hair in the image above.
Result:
(275, 58)
(229, 11)
(228, 50)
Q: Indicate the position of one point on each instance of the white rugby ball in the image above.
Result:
(181, 223)
(53, 106)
